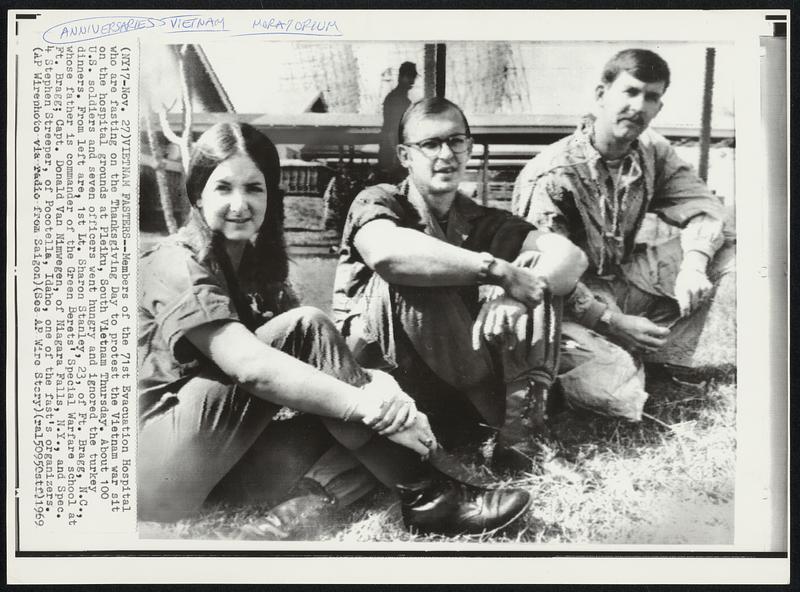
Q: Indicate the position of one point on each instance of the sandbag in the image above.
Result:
(604, 378)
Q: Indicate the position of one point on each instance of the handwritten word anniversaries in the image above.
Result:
(87, 29)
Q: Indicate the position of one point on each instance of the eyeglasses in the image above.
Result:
(432, 147)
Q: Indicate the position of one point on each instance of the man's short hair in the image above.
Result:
(429, 106)
(408, 69)
(642, 64)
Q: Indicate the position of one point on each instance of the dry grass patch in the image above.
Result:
(599, 481)
(666, 480)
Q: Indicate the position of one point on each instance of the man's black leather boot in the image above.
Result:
(513, 458)
(444, 506)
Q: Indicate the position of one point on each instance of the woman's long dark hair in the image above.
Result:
(264, 263)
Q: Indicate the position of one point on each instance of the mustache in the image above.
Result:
(638, 119)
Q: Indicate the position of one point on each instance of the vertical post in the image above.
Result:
(485, 175)
(705, 123)
(430, 70)
(441, 70)
(435, 71)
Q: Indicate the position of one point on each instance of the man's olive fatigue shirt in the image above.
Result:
(569, 189)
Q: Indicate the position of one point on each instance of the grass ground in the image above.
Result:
(666, 480)
(599, 480)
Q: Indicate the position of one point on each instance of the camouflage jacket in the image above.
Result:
(569, 188)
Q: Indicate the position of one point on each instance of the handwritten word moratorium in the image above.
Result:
(86, 29)
(290, 26)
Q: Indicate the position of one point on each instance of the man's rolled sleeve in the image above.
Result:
(680, 195)
(374, 203)
(703, 234)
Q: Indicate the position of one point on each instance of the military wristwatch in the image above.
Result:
(604, 322)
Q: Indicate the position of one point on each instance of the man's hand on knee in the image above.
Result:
(520, 283)
(637, 334)
(502, 321)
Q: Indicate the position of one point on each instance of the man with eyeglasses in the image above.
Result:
(637, 301)
(406, 294)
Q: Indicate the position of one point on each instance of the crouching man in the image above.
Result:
(406, 293)
(595, 187)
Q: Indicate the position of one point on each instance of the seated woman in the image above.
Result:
(225, 367)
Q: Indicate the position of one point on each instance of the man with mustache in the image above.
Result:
(406, 293)
(595, 187)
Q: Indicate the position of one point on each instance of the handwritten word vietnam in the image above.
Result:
(277, 26)
(196, 23)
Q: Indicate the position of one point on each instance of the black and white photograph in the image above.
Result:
(416, 291)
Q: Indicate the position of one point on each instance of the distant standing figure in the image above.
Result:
(394, 105)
